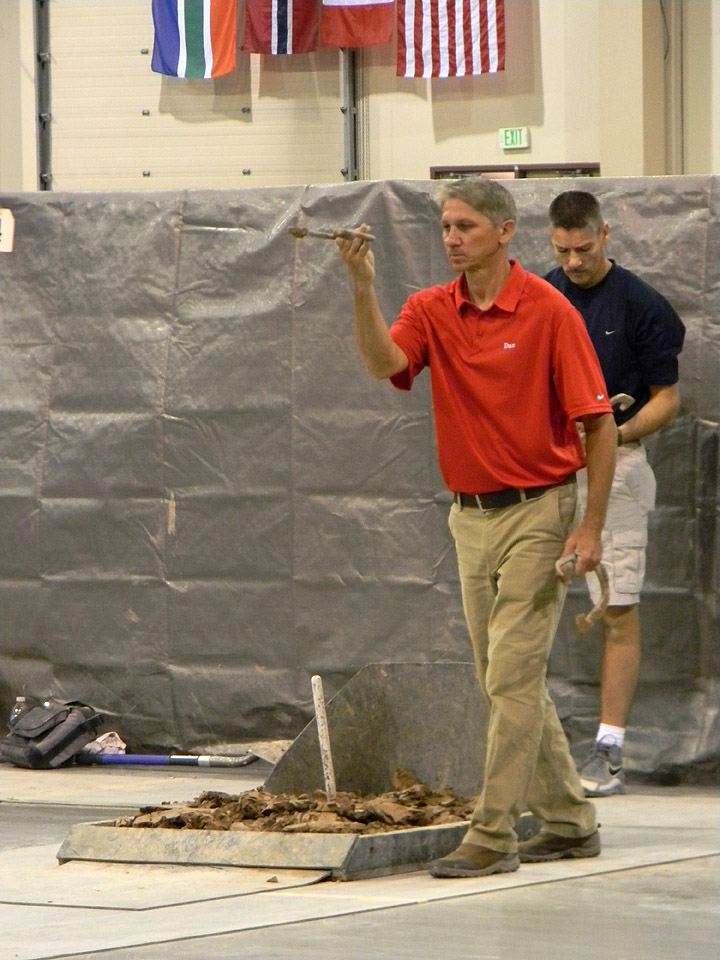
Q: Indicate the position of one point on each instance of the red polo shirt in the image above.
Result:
(507, 382)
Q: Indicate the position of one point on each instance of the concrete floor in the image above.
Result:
(653, 893)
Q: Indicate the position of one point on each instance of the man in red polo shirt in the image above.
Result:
(512, 369)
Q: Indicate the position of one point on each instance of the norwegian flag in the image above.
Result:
(281, 26)
(450, 38)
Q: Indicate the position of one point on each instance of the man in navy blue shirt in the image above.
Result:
(637, 336)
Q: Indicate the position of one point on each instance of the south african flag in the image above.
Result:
(194, 38)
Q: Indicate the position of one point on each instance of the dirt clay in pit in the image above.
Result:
(409, 804)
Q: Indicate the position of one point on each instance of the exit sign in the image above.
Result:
(514, 138)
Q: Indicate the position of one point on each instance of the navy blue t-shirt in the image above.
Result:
(636, 333)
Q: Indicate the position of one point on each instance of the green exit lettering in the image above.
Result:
(513, 138)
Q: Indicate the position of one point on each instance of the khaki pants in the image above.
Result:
(512, 600)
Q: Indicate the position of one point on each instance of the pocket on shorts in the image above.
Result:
(624, 557)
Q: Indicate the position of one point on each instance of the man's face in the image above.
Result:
(470, 239)
(581, 254)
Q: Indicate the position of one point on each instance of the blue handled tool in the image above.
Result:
(87, 757)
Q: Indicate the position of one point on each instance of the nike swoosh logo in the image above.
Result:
(608, 332)
(615, 770)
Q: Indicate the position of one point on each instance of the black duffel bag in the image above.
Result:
(50, 734)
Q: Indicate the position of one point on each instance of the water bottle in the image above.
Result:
(17, 710)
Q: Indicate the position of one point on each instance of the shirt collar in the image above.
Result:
(506, 300)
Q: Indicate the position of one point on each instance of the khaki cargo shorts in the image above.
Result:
(624, 538)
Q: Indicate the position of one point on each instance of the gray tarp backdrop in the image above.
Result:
(205, 499)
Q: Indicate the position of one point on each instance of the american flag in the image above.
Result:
(450, 38)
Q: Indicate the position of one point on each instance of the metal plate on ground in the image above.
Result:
(429, 718)
(343, 856)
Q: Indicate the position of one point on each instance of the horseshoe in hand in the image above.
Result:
(565, 569)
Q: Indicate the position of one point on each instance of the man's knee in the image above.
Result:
(622, 624)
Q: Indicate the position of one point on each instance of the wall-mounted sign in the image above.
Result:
(514, 138)
(7, 230)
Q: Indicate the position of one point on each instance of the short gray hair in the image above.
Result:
(488, 197)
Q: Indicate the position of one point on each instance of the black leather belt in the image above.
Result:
(506, 497)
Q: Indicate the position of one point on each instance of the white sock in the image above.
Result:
(611, 736)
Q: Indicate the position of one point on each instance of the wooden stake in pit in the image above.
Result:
(324, 738)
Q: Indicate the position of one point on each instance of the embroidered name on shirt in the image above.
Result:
(508, 346)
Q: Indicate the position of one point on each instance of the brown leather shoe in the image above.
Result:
(472, 860)
(550, 846)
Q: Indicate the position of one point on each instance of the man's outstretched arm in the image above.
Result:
(381, 355)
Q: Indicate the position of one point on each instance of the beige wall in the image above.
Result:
(587, 77)
(549, 85)
(701, 101)
(632, 91)
(655, 161)
(117, 125)
(18, 150)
